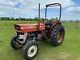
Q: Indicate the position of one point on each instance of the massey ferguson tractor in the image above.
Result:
(28, 35)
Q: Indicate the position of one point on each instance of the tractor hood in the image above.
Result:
(29, 27)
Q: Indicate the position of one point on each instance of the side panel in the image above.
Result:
(29, 28)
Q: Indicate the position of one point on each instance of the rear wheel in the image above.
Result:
(57, 35)
(30, 49)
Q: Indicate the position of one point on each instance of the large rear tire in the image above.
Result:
(30, 49)
(57, 35)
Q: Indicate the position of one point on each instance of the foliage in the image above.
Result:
(19, 19)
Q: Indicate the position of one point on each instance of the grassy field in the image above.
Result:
(69, 50)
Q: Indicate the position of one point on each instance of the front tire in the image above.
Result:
(14, 43)
(30, 49)
(57, 35)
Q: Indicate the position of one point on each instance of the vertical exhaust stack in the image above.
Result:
(39, 12)
(38, 17)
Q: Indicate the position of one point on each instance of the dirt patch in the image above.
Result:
(63, 56)
(78, 58)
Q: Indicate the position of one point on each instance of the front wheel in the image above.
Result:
(30, 49)
(14, 43)
(57, 35)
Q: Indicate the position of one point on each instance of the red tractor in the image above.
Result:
(27, 35)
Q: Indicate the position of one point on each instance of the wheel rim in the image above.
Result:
(60, 36)
(32, 51)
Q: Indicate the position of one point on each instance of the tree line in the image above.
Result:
(20, 19)
(23, 19)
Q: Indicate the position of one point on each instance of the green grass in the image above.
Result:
(69, 50)
(11, 23)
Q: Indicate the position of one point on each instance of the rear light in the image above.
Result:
(17, 27)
